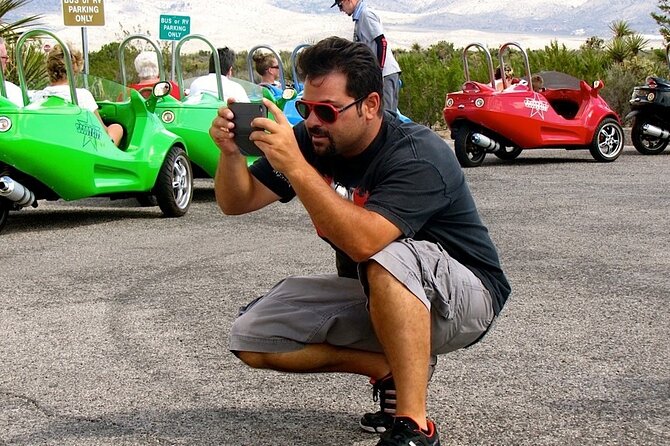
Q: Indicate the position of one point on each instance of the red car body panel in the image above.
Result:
(527, 119)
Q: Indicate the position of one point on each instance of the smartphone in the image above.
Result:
(245, 113)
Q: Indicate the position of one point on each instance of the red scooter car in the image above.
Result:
(505, 120)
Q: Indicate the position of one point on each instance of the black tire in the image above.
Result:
(467, 153)
(508, 153)
(174, 185)
(4, 212)
(646, 144)
(146, 200)
(607, 143)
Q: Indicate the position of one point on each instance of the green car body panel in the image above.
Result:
(192, 116)
(66, 148)
(52, 148)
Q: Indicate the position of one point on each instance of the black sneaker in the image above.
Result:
(405, 432)
(383, 390)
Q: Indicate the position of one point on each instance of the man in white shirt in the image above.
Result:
(230, 88)
(13, 92)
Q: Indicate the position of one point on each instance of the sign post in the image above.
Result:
(174, 27)
(84, 13)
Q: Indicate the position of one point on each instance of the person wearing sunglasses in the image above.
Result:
(12, 90)
(368, 29)
(267, 66)
(417, 272)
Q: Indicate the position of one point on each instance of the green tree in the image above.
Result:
(555, 57)
(662, 19)
(593, 43)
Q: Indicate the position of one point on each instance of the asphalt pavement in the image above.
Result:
(114, 321)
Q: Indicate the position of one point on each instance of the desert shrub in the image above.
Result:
(619, 83)
(427, 76)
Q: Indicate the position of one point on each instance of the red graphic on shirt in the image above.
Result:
(353, 194)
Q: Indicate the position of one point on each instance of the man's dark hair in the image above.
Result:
(226, 60)
(355, 60)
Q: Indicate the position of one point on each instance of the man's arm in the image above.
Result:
(381, 43)
(357, 231)
(237, 191)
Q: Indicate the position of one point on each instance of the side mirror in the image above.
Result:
(289, 93)
(162, 89)
(597, 85)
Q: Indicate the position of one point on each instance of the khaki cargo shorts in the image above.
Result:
(330, 309)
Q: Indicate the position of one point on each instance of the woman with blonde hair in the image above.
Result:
(59, 86)
(267, 67)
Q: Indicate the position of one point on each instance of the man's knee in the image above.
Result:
(254, 360)
(376, 274)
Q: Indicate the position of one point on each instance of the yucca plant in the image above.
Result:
(636, 43)
(34, 60)
(620, 29)
(618, 50)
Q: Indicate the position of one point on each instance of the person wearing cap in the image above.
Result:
(368, 29)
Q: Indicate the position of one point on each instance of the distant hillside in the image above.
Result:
(242, 24)
(569, 17)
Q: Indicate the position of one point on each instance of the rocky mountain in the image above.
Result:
(285, 23)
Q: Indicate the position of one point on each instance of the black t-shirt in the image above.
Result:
(410, 176)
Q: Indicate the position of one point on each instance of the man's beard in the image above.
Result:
(330, 149)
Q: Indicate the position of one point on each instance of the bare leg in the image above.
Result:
(402, 324)
(115, 131)
(316, 358)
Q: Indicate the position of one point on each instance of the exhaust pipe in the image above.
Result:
(16, 192)
(656, 132)
(485, 142)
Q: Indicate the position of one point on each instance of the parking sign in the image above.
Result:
(83, 12)
(174, 27)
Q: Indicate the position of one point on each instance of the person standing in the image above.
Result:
(369, 30)
(417, 272)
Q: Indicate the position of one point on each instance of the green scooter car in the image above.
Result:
(52, 149)
(192, 116)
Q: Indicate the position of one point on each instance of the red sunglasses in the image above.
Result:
(326, 112)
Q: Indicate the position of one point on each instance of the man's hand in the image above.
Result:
(222, 129)
(278, 142)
